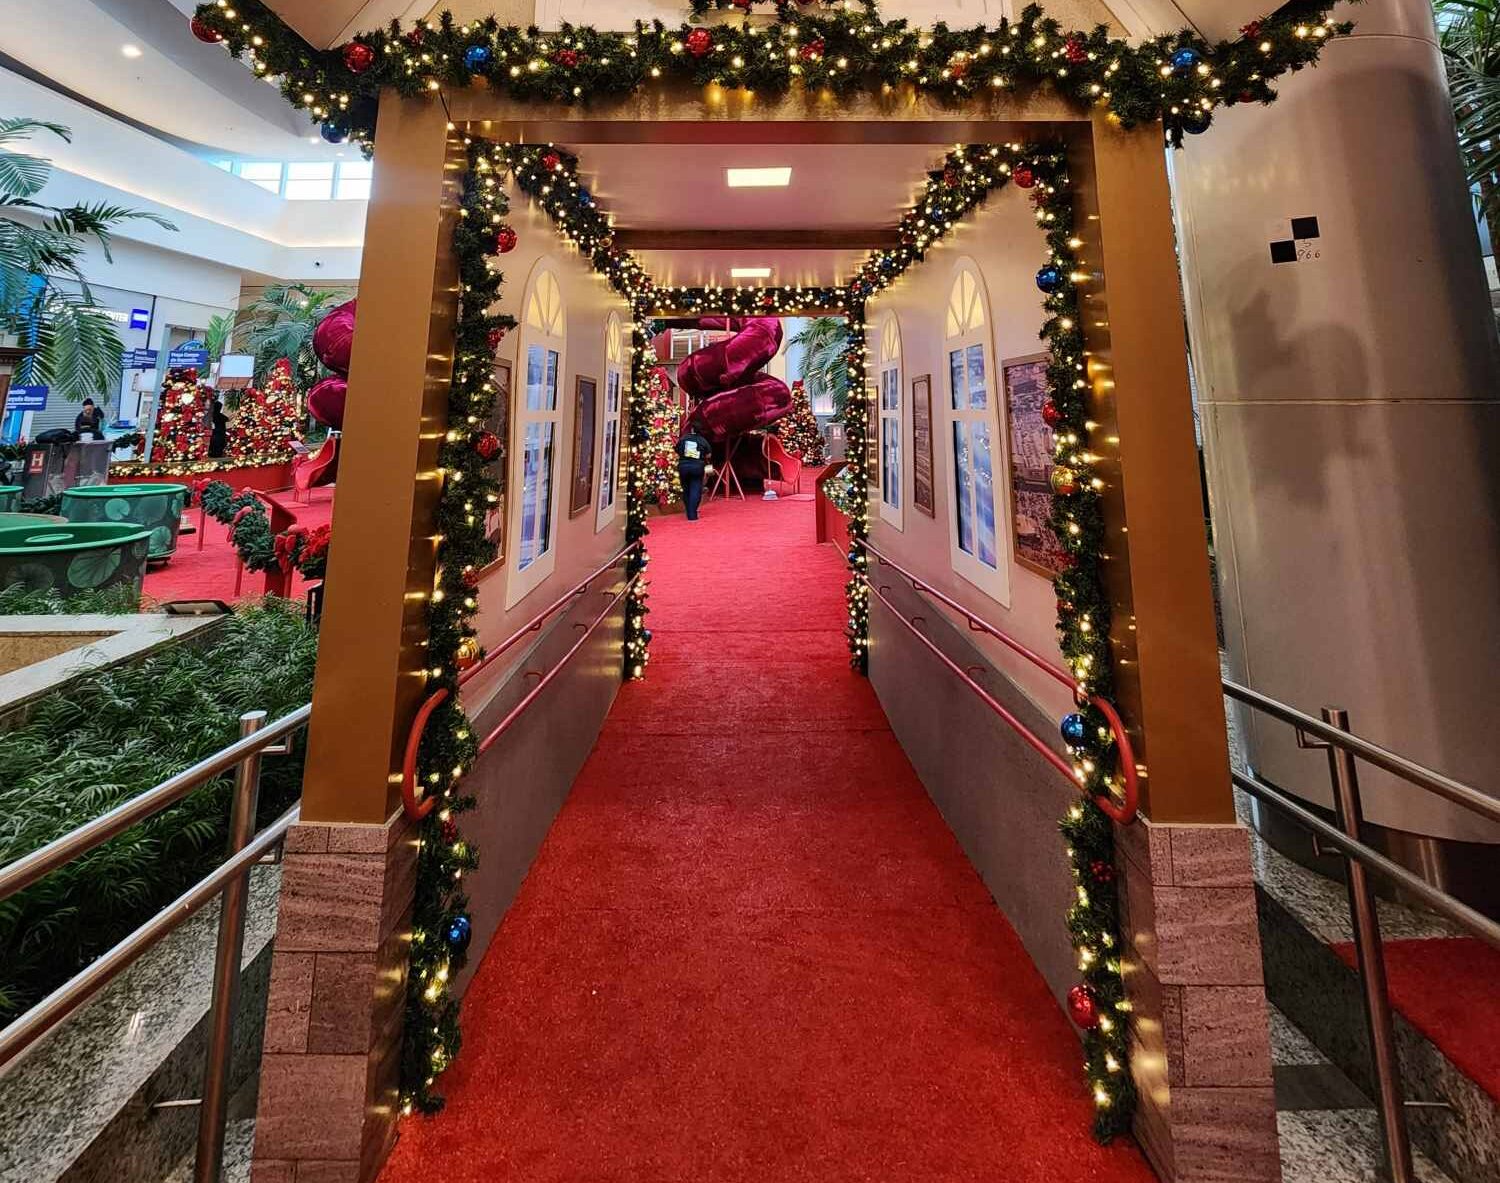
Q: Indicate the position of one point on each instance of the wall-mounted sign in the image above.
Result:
(138, 359)
(27, 398)
(1036, 546)
(189, 353)
(140, 318)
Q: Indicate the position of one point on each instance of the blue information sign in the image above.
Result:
(138, 359)
(190, 353)
(140, 318)
(27, 398)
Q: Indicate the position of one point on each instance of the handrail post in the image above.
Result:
(1371, 959)
(213, 1112)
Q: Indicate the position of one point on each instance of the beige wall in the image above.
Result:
(588, 301)
(1005, 243)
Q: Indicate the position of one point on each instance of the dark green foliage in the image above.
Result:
(48, 505)
(111, 737)
(18, 600)
(251, 535)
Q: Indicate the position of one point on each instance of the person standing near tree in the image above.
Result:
(693, 452)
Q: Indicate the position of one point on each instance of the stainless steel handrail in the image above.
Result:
(231, 879)
(1331, 733)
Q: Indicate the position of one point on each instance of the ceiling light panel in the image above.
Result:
(758, 178)
(749, 273)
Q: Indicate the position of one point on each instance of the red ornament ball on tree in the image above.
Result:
(1023, 176)
(1252, 29)
(494, 337)
(811, 51)
(505, 240)
(1051, 416)
(1082, 1007)
(699, 42)
(958, 67)
(470, 578)
(951, 177)
(450, 831)
(566, 57)
(205, 32)
(487, 444)
(415, 35)
(1102, 871)
(1076, 50)
(358, 57)
(551, 161)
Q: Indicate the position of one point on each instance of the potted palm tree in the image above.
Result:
(77, 351)
(1470, 36)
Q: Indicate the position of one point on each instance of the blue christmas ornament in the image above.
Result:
(585, 198)
(477, 57)
(1049, 279)
(646, 634)
(333, 132)
(1073, 729)
(458, 933)
(1185, 59)
(1195, 123)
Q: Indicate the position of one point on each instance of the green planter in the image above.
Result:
(7, 520)
(71, 558)
(156, 507)
(10, 498)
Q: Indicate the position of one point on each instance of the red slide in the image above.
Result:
(735, 396)
(316, 468)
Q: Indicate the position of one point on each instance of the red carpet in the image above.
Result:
(208, 574)
(1446, 989)
(750, 949)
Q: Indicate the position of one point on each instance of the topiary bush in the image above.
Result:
(112, 736)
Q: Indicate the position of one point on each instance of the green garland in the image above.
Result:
(1179, 79)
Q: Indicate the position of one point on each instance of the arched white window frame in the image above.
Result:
(978, 537)
(538, 433)
(890, 414)
(611, 429)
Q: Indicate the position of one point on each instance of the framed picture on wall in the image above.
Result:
(499, 423)
(872, 435)
(1036, 546)
(585, 409)
(922, 493)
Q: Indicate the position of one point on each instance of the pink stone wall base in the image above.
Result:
(328, 1086)
(1201, 1045)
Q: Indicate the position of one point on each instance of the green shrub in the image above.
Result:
(111, 737)
(19, 600)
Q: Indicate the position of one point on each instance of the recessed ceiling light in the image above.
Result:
(758, 178)
(749, 273)
(131, 51)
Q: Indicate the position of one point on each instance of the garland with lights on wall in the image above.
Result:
(1179, 79)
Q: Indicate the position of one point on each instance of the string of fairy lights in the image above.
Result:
(1179, 81)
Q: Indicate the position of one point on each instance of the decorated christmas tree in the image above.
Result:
(182, 424)
(658, 455)
(267, 418)
(799, 430)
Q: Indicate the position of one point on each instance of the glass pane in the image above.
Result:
(956, 378)
(611, 453)
(534, 378)
(612, 393)
(890, 463)
(551, 380)
(984, 495)
(963, 488)
(309, 182)
(976, 377)
(264, 173)
(536, 493)
(353, 183)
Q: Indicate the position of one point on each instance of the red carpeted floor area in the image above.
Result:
(208, 574)
(750, 949)
(1445, 987)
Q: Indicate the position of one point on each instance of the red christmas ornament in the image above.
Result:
(661, 460)
(551, 161)
(566, 57)
(699, 42)
(487, 444)
(205, 32)
(766, 301)
(470, 578)
(505, 240)
(1051, 416)
(450, 831)
(358, 57)
(1102, 871)
(415, 35)
(1083, 1009)
(812, 51)
(743, 3)
(951, 177)
(1252, 29)
(1023, 176)
(1076, 50)
(494, 337)
(959, 66)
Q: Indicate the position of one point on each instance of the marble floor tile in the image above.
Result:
(1338, 1146)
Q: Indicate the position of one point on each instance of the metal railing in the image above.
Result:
(1331, 733)
(231, 880)
(415, 807)
(1125, 809)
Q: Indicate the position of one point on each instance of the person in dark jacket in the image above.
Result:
(693, 452)
(89, 423)
(218, 435)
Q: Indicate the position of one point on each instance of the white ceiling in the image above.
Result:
(682, 186)
(789, 268)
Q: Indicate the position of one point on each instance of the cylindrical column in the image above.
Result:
(1347, 375)
(214, 1110)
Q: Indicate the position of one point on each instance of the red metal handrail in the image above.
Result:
(1124, 811)
(416, 809)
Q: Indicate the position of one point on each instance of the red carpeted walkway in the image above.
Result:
(750, 949)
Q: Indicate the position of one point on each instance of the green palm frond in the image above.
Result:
(77, 346)
(280, 324)
(825, 372)
(1470, 37)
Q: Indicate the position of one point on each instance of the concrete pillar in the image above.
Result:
(1349, 413)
